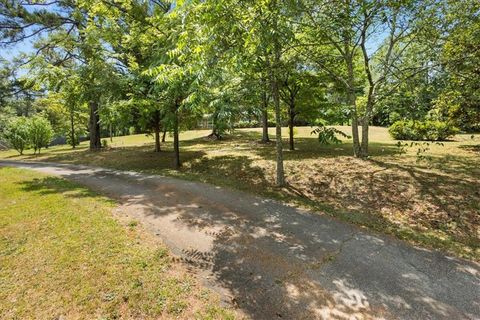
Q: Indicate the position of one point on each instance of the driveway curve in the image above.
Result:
(273, 261)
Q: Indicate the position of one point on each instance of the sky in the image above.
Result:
(25, 46)
(13, 51)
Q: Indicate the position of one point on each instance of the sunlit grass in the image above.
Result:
(63, 256)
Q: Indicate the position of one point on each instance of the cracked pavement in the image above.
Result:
(271, 260)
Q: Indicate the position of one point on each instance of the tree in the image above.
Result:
(460, 56)
(257, 34)
(40, 132)
(301, 92)
(17, 133)
(360, 44)
(70, 35)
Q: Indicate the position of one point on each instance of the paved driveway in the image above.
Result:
(274, 261)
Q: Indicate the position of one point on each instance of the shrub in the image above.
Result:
(429, 130)
(328, 135)
(17, 133)
(40, 133)
(104, 143)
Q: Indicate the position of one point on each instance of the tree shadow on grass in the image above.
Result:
(237, 171)
(310, 148)
(134, 158)
(55, 185)
(472, 147)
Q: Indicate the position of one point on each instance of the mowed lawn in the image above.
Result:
(432, 200)
(64, 256)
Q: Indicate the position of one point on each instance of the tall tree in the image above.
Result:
(68, 28)
(359, 43)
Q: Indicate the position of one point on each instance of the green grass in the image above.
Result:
(433, 201)
(63, 255)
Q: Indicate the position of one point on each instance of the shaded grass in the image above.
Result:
(434, 202)
(62, 255)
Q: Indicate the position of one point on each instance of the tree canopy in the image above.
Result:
(108, 67)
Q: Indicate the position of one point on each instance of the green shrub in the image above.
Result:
(328, 135)
(429, 130)
(104, 143)
(17, 133)
(40, 132)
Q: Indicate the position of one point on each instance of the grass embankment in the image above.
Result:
(434, 202)
(63, 256)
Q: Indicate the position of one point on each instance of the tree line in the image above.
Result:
(157, 66)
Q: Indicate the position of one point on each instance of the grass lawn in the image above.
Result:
(433, 202)
(64, 256)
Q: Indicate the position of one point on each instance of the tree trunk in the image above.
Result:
(157, 139)
(164, 135)
(352, 99)
(355, 136)
(176, 147)
(215, 135)
(265, 137)
(72, 131)
(364, 146)
(94, 127)
(278, 118)
(291, 114)
(156, 128)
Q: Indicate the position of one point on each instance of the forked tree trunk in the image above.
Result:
(94, 127)
(215, 134)
(176, 143)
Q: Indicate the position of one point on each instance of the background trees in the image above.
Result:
(160, 66)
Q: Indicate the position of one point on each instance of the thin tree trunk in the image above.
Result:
(94, 127)
(111, 132)
(176, 147)
(157, 139)
(278, 118)
(215, 134)
(265, 137)
(156, 128)
(364, 146)
(352, 99)
(291, 113)
(72, 131)
(164, 135)
(355, 135)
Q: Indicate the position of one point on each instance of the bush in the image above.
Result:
(328, 135)
(430, 130)
(104, 143)
(40, 133)
(17, 133)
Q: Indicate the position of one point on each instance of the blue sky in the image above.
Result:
(14, 50)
